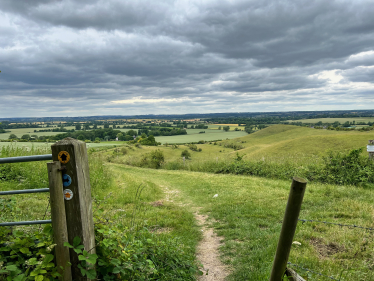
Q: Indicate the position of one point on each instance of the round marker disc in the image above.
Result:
(66, 180)
(68, 194)
(64, 157)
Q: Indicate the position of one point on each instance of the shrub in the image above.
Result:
(153, 159)
(347, 168)
(186, 153)
(193, 147)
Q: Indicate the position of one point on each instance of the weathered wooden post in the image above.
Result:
(370, 149)
(60, 232)
(291, 217)
(77, 194)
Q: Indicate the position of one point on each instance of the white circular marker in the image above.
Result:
(68, 194)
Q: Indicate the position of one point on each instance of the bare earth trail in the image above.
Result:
(208, 254)
(208, 250)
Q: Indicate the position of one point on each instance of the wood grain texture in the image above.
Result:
(60, 233)
(79, 208)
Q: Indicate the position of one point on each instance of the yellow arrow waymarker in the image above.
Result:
(63, 157)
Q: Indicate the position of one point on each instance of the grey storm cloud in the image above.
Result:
(70, 57)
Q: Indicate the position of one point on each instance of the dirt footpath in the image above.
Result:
(208, 254)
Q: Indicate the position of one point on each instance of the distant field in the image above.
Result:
(332, 120)
(48, 145)
(232, 126)
(30, 131)
(194, 136)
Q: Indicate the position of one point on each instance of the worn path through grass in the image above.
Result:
(248, 211)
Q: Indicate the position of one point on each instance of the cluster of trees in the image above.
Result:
(25, 137)
(199, 126)
(146, 125)
(95, 135)
(163, 131)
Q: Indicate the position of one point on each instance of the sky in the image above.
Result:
(119, 57)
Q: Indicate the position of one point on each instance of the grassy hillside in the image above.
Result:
(332, 120)
(277, 143)
(287, 141)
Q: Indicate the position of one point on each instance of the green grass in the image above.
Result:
(248, 212)
(276, 144)
(134, 205)
(281, 142)
(332, 120)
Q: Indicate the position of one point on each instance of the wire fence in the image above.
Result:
(350, 226)
(312, 271)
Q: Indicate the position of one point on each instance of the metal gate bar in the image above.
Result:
(24, 222)
(25, 158)
(24, 191)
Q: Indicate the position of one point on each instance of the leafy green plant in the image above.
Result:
(27, 256)
(87, 260)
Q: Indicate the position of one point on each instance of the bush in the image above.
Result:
(347, 168)
(193, 147)
(153, 159)
(185, 153)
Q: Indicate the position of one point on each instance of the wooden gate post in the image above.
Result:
(291, 217)
(60, 232)
(370, 149)
(77, 194)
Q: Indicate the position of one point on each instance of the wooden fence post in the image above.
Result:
(370, 149)
(291, 216)
(60, 233)
(77, 194)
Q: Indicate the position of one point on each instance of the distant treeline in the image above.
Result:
(6, 125)
(163, 131)
(293, 115)
(96, 135)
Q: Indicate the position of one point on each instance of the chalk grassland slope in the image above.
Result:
(332, 120)
(276, 143)
(287, 142)
(248, 212)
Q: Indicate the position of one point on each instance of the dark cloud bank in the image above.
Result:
(72, 58)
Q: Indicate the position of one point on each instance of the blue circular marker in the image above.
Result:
(66, 180)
